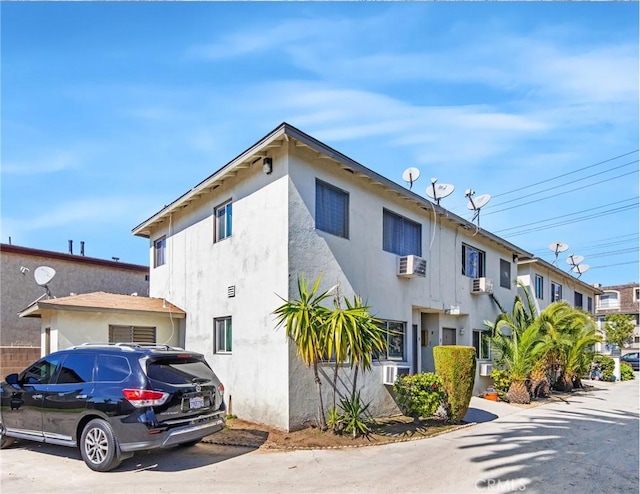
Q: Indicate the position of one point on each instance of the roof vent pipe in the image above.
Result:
(82, 247)
(70, 246)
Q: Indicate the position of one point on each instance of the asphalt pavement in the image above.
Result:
(588, 444)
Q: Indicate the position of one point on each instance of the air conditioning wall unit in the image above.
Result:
(412, 266)
(481, 285)
(485, 369)
(391, 372)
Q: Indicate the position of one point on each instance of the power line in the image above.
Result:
(617, 264)
(598, 243)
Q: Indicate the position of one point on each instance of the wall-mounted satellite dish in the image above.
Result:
(475, 204)
(410, 175)
(580, 269)
(556, 248)
(438, 191)
(43, 276)
(574, 260)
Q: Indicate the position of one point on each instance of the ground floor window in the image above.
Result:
(132, 334)
(396, 340)
(481, 342)
(223, 335)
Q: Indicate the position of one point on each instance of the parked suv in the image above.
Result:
(112, 400)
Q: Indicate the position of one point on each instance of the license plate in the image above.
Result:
(196, 402)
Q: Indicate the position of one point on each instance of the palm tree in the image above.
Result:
(305, 321)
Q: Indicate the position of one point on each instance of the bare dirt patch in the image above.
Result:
(241, 433)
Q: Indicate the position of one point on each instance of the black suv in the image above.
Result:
(112, 400)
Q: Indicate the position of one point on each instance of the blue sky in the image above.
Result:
(112, 110)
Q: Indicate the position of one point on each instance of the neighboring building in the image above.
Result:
(106, 318)
(229, 248)
(548, 283)
(620, 299)
(75, 274)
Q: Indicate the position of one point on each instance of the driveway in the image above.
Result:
(589, 444)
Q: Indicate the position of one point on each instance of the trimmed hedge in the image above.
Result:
(626, 371)
(419, 395)
(456, 366)
(607, 366)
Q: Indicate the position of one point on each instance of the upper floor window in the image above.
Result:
(332, 209)
(505, 274)
(609, 300)
(539, 287)
(223, 335)
(473, 262)
(577, 300)
(159, 251)
(556, 292)
(589, 304)
(223, 214)
(401, 235)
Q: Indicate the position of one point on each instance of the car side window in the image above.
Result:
(112, 368)
(41, 372)
(76, 368)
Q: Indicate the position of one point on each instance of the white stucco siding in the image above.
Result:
(199, 273)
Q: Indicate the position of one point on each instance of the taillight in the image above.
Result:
(145, 397)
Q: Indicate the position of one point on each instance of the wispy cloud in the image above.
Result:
(49, 162)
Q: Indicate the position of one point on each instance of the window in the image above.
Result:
(180, 371)
(589, 304)
(159, 251)
(505, 274)
(223, 216)
(636, 294)
(609, 300)
(131, 334)
(396, 336)
(556, 292)
(539, 287)
(577, 300)
(400, 235)
(481, 341)
(112, 368)
(76, 368)
(41, 372)
(223, 336)
(472, 262)
(332, 209)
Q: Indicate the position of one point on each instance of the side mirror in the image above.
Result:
(12, 379)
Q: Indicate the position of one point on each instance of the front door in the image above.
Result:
(448, 336)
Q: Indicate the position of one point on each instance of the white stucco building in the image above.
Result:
(229, 248)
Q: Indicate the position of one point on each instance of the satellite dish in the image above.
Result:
(574, 260)
(580, 269)
(439, 191)
(410, 175)
(478, 202)
(556, 248)
(44, 275)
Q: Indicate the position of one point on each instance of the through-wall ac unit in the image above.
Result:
(481, 285)
(412, 266)
(485, 369)
(391, 372)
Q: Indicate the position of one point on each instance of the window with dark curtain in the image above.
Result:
(505, 274)
(400, 235)
(332, 209)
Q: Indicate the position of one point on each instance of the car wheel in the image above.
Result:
(188, 444)
(98, 446)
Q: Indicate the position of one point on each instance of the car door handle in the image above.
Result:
(36, 397)
(81, 397)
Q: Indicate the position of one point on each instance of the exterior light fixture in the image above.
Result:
(267, 166)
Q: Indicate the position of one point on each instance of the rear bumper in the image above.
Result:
(196, 429)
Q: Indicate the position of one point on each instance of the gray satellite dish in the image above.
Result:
(556, 248)
(580, 269)
(439, 191)
(574, 260)
(410, 175)
(477, 203)
(43, 276)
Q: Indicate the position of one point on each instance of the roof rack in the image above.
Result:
(129, 345)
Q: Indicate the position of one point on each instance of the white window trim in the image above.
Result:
(216, 233)
(481, 333)
(216, 338)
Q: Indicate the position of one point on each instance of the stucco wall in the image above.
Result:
(76, 275)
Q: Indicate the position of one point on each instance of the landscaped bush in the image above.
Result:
(419, 395)
(456, 366)
(626, 371)
(501, 382)
(607, 366)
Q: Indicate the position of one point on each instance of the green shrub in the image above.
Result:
(626, 371)
(607, 365)
(419, 395)
(501, 380)
(456, 366)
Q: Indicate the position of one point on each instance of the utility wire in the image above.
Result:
(599, 243)
(617, 264)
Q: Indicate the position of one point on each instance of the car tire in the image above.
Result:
(98, 446)
(188, 444)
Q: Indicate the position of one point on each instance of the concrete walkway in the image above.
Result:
(481, 410)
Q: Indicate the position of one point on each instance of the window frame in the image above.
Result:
(389, 355)
(505, 281)
(324, 225)
(576, 296)
(225, 219)
(160, 251)
(482, 261)
(539, 286)
(223, 345)
(556, 294)
(483, 336)
(401, 247)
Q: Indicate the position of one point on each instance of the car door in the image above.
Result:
(23, 415)
(65, 398)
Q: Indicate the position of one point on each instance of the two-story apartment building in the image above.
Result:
(620, 299)
(230, 249)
